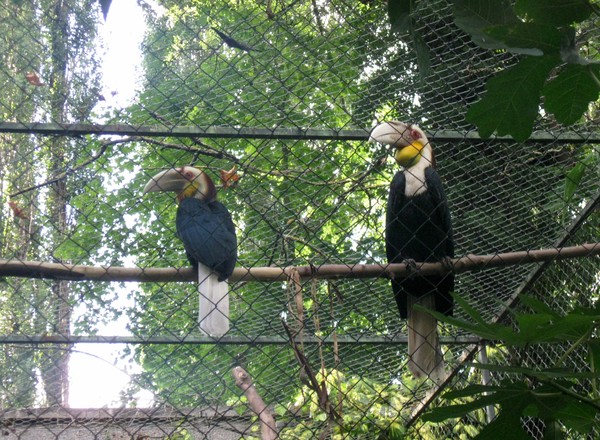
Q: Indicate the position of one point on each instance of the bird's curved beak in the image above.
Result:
(389, 133)
(168, 180)
(397, 134)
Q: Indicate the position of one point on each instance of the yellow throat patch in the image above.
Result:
(409, 155)
(189, 191)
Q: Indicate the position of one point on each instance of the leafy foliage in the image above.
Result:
(296, 201)
(511, 103)
(367, 408)
(544, 33)
(40, 44)
(551, 394)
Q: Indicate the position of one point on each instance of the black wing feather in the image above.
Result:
(419, 228)
(208, 235)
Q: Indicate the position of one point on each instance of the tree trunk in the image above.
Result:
(55, 371)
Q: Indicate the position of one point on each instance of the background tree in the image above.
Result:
(50, 74)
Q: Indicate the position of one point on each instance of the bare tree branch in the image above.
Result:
(103, 147)
(207, 150)
(268, 429)
(232, 42)
(39, 269)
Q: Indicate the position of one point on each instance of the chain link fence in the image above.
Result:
(283, 96)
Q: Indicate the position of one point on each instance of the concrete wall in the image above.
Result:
(122, 424)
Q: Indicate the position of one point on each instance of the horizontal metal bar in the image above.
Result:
(543, 137)
(270, 133)
(225, 340)
(181, 131)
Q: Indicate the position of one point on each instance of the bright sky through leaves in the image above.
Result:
(94, 381)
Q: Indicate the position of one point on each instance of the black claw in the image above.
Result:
(447, 263)
(411, 266)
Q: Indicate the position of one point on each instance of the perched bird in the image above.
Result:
(418, 228)
(205, 227)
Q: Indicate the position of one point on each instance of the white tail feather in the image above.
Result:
(213, 315)
(425, 355)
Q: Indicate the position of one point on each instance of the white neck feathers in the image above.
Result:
(415, 175)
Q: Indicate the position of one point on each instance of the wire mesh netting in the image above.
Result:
(275, 102)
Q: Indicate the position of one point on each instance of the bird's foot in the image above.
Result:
(447, 263)
(411, 265)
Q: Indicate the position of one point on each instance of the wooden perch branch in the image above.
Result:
(268, 430)
(38, 269)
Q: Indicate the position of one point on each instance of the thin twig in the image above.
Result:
(582, 340)
(296, 174)
(206, 151)
(312, 382)
(104, 146)
(317, 322)
(336, 351)
(296, 304)
(209, 151)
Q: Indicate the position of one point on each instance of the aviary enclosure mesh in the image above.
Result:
(292, 114)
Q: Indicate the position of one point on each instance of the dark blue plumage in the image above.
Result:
(208, 235)
(419, 228)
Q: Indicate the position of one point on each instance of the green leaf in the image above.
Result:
(534, 326)
(477, 324)
(442, 413)
(594, 354)
(504, 426)
(513, 397)
(486, 331)
(399, 15)
(473, 389)
(550, 373)
(569, 95)
(495, 395)
(554, 12)
(537, 306)
(577, 416)
(469, 310)
(474, 16)
(510, 105)
(517, 399)
(572, 326)
(572, 180)
(528, 38)
(545, 326)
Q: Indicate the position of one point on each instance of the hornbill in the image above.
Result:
(205, 227)
(418, 228)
